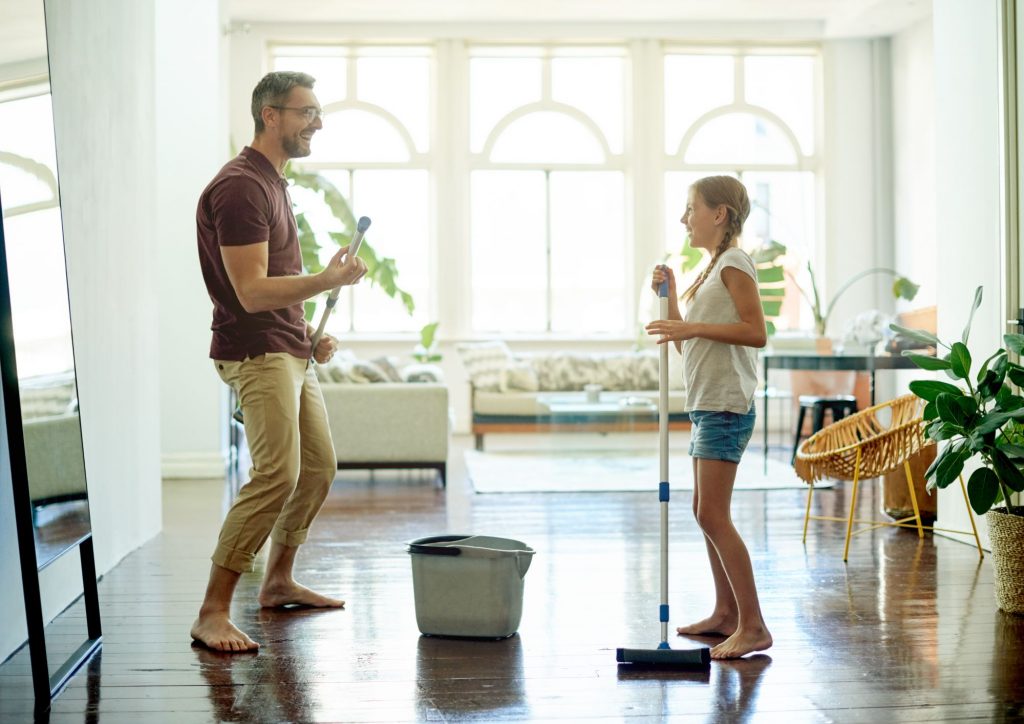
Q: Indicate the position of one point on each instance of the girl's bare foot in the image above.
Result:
(215, 631)
(717, 624)
(742, 643)
(290, 593)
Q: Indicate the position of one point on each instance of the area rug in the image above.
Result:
(577, 471)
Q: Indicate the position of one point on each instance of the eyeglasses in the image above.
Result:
(310, 113)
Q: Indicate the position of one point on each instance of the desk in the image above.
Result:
(828, 363)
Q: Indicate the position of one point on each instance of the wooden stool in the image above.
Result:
(838, 405)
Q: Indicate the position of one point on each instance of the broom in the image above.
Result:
(663, 656)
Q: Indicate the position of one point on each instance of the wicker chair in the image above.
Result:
(864, 446)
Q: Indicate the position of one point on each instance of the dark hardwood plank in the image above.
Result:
(907, 631)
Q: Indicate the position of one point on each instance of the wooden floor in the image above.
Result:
(908, 631)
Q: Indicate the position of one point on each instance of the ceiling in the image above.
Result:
(836, 18)
(22, 34)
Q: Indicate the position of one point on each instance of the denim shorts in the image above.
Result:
(720, 435)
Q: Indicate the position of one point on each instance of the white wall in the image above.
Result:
(191, 130)
(856, 219)
(967, 173)
(914, 182)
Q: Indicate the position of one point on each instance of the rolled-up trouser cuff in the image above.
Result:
(234, 560)
(289, 538)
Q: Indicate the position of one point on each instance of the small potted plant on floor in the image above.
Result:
(980, 417)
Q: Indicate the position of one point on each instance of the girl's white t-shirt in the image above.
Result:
(719, 377)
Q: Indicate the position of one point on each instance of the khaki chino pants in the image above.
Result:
(293, 462)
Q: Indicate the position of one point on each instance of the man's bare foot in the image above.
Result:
(717, 624)
(215, 631)
(742, 643)
(290, 593)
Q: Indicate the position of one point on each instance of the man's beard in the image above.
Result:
(293, 147)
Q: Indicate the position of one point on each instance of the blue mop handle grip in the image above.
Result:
(663, 287)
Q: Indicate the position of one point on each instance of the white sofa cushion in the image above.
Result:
(484, 362)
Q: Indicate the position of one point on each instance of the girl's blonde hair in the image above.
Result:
(724, 191)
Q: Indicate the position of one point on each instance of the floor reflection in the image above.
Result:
(737, 684)
(477, 677)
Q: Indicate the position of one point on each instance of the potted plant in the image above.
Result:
(902, 287)
(981, 417)
(426, 351)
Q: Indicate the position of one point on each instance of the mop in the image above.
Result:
(357, 241)
(663, 656)
(361, 226)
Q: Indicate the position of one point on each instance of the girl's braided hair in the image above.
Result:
(721, 191)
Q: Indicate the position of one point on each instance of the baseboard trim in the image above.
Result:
(192, 465)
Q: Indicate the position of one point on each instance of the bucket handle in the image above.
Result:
(430, 549)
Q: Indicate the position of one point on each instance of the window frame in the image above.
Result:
(450, 160)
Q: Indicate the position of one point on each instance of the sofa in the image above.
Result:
(385, 417)
(389, 424)
(52, 434)
(518, 393)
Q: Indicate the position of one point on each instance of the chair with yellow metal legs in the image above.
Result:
(869, 444)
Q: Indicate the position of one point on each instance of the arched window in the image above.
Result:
(751, 115)
(375, 148)
(547, 190)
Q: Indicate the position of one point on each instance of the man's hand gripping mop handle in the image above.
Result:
(357, 241)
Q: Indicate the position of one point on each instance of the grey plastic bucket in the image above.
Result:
(469, 585)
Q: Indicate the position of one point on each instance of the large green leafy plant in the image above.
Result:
(979, 416)
(380, 270)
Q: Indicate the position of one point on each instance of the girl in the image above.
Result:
(717, 338)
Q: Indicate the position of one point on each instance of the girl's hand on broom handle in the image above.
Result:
(661, 273)
(670, 330)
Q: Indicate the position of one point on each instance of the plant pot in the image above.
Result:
(1007, 534)
(896, 502)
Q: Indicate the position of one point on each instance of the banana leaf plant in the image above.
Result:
(380, 270)
(979, 415)
(771, 280)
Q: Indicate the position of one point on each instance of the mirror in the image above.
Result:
(36, 278)
(44, 452)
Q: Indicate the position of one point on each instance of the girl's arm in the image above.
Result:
(748, 332)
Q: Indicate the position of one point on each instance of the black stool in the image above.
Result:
(839, 405)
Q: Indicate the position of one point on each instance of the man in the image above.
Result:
(250, 258)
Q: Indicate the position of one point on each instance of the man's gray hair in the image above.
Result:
(273, 90)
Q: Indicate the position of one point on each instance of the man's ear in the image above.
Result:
(269, 116)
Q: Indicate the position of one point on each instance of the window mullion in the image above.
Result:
(549, 302)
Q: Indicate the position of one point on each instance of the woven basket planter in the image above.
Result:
(1007, 534)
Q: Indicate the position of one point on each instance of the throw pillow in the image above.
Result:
(364, 371)
(388, 367)
(422, 373)
(484, 362)
(565, 372)
(519, 375)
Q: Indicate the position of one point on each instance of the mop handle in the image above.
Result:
(357, 241)
(663, 488)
